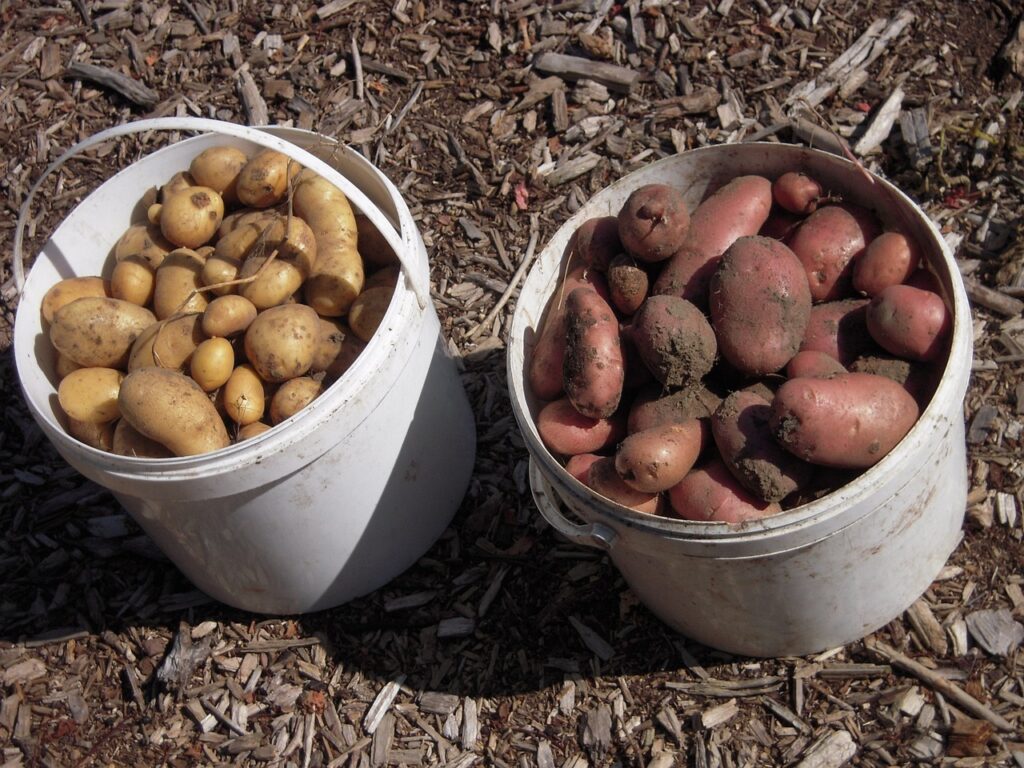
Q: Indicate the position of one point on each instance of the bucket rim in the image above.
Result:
(952, 386)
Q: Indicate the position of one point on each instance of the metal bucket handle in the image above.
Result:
(416, 276)
(593, 535)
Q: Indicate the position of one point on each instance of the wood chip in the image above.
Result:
(128, 87)
(597, 644)
(833, 750)
(927, 627)
(996, 631)
(621, 79)
(721, 713)
(382, 704)
(969, 738)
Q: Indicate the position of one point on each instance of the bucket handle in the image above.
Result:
(593, 535)
(418, 279)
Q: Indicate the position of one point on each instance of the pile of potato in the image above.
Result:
(742, 360)
(242, 296)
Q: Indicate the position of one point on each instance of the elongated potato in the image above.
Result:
(375, 250)
(604, 480)
(711, 494)
(212, 363)
(71, 288)
(167, 344)
(338, 275)
(243, 396)
(851, 420)
(177, 281)
(910, 322)
(90, 394)
(653, 222)
(813, 364)
(292, 396)
(170, 408)
(760, 305)
(218, 168)
(656, 459)
(653, 408)
(890, 259)
(228, 316)
(547, 360)
(133, 280)
(98, 333)
(281, 342)
(674, 339)
(263, 180)
(827, 243)
(736, 210)
(566, 432)
(190, 218)
(746, 444)
(919, 379)
(594, 367)
(128, 441)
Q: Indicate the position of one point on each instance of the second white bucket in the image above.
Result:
(331, 504)
(816, 576)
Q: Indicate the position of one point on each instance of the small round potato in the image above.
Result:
(96, 435)
(190, 218)
(243, 397)
(170, 408)
(292, 396)
(281, 342)
(218, 169)
(220, 271)
(98, 333)
(228, 316)
(251, 430)
(90, 394)
(178, 279)
(368, 311)
(128, 441)
(133, 280)
(167, 344)
(71, 288)
(263, 180)
(212, 363)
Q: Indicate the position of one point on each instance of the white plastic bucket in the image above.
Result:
(816, 576)
(344, 495)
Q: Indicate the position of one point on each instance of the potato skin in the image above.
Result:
(628, 284)
(656, 459)
(212, 363)
(594, 368)
(170, 408)
(548, 357)
(128, 441)
(850, 421)
(374, 249)
(190, 218)
(579, 465)
(890, 259)
(736, 210)
(145, 240)
(228, 316)
(243, 397)
(263, 180)
(839, 329)
(596, 241)
(652, 408)
(910, 322)
(292, 396)
(827, 243)
(167, 344)
(368, 310)
(281, 342)
(176, 279)
(749, 450)
(711, 494)
(218, 168)
(674, 339)
(796, 192)
(65, 291)
(760, 303)
(89, 395)
(98, 333)
(814, 364)
(603, 479)
(653, 222)
(97, 435)
(133, 280)
(567, 432)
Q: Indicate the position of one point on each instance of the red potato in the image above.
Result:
(849, 421)
(637, 374)
(653, 222)
(919, 379)
(652, 408)
(579, 465)
(736, 210)
(760, 304)
(604, 480)
(594, 368)
(747, 446)
(839, 329)
(826, 244)
(813, 364)
(674, 339)
(597, 241)
(711, 494)
(567, 432)
(910, 322)
(797, 192)
(780, 224)
(925, 279)
(889, 259)
(656, 459)
(548, 357)
(628, 283)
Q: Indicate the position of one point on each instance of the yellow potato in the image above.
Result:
(128, 441)
(277, 282)
(98, 435)
(383, 278)
(368, 310)
(98, 333)
(153, 214)
(168, 344)
(292, 396)
(170, 408)
(143, 240)
(329, 344)
(179, 182)
(243, 397)
(217, 271)
(69, 289)
(337, 276)
(351, 347)
(234, 220)
(218, 169)
(281, 342)
(228, 316)
(212, 363)
(64, 365)
(190, 218)
(249, 231)
(375, 250)
(177, 278)
(90, 394)
(251, 430)
(263, 181)
(133, 280)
